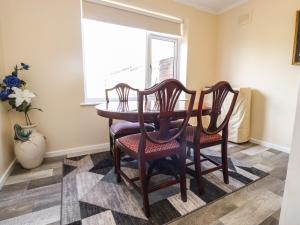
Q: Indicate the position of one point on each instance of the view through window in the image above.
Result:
(119, 54)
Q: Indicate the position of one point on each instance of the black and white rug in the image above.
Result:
(91, 195)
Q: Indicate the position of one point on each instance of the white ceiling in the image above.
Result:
(213, 6)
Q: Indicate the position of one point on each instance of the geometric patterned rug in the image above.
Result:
(91, 195)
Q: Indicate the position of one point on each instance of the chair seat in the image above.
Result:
(123, 128)
(204, 138)
(176, 124)
(131, 143)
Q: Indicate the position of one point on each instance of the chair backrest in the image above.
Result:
(156, 99)
(123, 91)
(218, 93)
(167, 93)
(123, 106)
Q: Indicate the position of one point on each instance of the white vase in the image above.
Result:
(30, 154)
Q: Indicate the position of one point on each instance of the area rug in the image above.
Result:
(91, 195)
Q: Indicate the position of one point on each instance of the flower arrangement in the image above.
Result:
(14, 90)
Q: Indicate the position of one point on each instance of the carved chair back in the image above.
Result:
(156, 103)
(218, 93)
(166, 93)
(123, 90)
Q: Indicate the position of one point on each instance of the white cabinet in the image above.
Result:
(239, 124)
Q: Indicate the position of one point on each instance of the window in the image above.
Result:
(163, 58)
(115, 54)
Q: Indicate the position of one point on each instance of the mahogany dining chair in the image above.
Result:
(123, 128)
(216, 133)
(148, 147)
(174, 124)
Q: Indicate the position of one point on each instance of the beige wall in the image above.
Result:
(258, 55)
(6, 137)
(6, 149)
(46, 34)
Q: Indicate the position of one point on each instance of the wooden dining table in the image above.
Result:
(128, 111)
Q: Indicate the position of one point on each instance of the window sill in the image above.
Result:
(90, 103)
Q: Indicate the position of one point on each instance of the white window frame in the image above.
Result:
(163, 37)
(149, 36)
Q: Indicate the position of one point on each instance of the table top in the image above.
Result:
(129, 110)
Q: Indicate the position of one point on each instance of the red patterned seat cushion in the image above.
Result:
(204, 138)
(131, 143)
(120, 129)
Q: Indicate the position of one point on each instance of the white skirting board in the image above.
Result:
(89, 149)
(270, 145)
(6, 174)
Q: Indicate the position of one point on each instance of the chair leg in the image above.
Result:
(117, 159)
(188, 152)
(144, 186)
(150, 171)
(225, 162)
(111, 144)
(183, 176)
(198, 170)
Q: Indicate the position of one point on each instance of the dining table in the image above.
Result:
(128, 110)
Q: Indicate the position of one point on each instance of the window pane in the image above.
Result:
(162, 60)
(112, 54)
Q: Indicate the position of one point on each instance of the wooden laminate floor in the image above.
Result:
(33, 197)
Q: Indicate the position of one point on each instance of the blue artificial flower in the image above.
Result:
(12, 81)
(4, 94)
(25, 66)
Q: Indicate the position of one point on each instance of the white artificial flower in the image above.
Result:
(21, 96)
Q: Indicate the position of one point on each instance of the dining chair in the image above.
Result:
(123, 128)
(216, 133)
(148, 147)
(174, 124)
